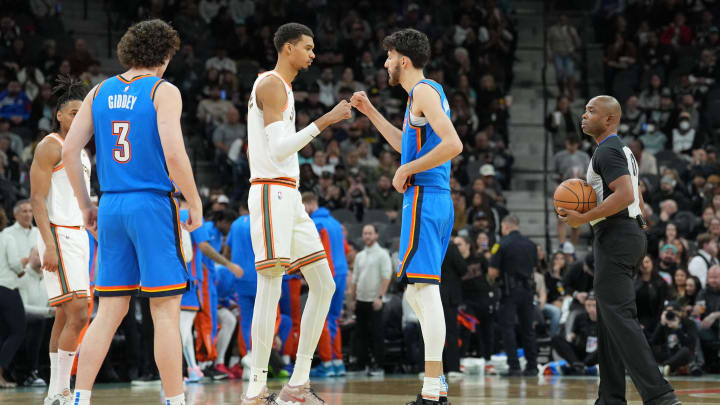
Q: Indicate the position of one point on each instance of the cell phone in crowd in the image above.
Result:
(223, 94)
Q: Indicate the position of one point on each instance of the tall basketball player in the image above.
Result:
(140, 157)
(427, 143)
(619, 245)
(63, 244)
(284, 237)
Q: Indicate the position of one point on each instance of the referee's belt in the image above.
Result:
(277, 181)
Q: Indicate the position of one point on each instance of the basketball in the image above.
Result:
(576, 195)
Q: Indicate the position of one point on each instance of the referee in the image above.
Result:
(619, 245)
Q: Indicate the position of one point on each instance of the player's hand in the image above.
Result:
(50, 259)
(235, 269)
(377, 304)
(90, 217)
(570, 217)
(400, 179)
(194, 220)
(342, 111)
(361, 102)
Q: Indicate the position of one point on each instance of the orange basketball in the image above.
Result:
(576, 195)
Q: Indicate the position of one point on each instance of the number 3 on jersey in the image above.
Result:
(122, 153)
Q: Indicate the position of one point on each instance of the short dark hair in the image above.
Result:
(224, 215)
(148, 44)
(290, 32)
(411, 43)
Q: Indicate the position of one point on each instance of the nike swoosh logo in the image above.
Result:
(296, 399)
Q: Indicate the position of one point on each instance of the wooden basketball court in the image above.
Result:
(394, 390)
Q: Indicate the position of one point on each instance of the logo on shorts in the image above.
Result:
(279, 195)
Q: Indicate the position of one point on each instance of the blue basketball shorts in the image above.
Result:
(427, 221)
(139, 245)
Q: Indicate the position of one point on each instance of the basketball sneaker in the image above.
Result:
(65, 398)
(323, 370)
(264, 398)
(221, 368)
(300, 395)
(194, 375)
(422, 401)
(339, 368)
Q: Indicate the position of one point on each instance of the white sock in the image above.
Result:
(431, 388)
(301, 372)
(233, 361)
(53, 386)
(321, 287)
(338, 362)
(176, 400)
(186, 336)
(443, 386)
(65, 362)
(258, 380)
(262, 331)
(81, 397)
(224, 336)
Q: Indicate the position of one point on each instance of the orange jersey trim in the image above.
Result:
(77, 228)
(307, 260)
(59, 167)
(164, 288)
(414, 275)
(412, 231)
(279, 181)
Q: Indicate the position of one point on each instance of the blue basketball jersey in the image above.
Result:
(129, 153)
(417, 141)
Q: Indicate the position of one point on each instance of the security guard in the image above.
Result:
(515, 259)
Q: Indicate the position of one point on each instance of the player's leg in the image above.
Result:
(58, 325)
(187, 318)
(111, 311)
(156, 236)
(427, 223)
(310, 258)
(270, 222)
(117, 279)
(228, 322)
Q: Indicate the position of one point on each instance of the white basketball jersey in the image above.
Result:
(262, 165)
(62, 205)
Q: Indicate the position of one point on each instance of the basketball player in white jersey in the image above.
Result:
(63, 242)
(284, 237)
(619, 245)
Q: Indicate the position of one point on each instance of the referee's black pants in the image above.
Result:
(619, 246)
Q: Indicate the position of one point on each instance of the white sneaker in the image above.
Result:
(65, 398)
(52, 401)
(455, 375)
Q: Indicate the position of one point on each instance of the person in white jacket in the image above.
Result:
(37, 312)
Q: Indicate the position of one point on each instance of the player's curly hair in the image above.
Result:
(411, 43)
(148, 44)
(67, 89)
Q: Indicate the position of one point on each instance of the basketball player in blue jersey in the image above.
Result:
(427, 143)
(140, 157)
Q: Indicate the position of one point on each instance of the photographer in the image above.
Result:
(580, 350)
(674, 340)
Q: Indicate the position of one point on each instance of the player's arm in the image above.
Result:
(47, 156)
(271, 97)
(77, 137)
(168, 104)
(391, 133)
(213, 255)
(428, 101)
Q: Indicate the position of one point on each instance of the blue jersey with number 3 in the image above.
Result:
(128, 150)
